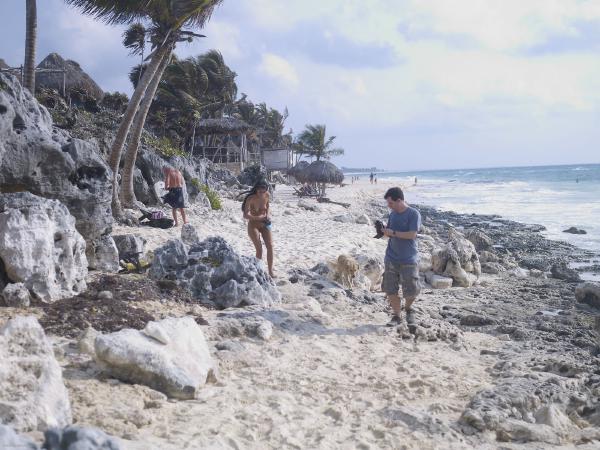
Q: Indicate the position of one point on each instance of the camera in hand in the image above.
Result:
(379, 227)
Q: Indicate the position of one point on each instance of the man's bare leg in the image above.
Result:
(174, 211)
(395, 303)
(183, 216)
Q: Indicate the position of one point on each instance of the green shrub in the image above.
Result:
(213, 197)
(164, 146)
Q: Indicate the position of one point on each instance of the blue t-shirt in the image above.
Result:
(403, 251)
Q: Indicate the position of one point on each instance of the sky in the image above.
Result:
(402, 84)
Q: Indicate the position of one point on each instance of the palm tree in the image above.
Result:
(313, 141)
(168, 18)
(30, 45)
(134, 38)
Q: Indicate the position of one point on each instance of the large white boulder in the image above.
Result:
(32, 393)
(457, 259)
(40, 247)
(170, 355)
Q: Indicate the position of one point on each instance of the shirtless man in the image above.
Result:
(256, 211)
(174, 184)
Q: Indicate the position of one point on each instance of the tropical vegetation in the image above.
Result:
(314, 143)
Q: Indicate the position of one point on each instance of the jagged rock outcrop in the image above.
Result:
(102, 254)
(75, 80)
(458, 259)
(32, 393)
(189, 234)
(79, 438)
(588, 293)
(480, 240)
(128, 244)
(171, 356)
(215, 273)
(11, 440)
(46, 161)
(16, 295)
(40, 247)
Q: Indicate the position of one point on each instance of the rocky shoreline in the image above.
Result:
(204, 349)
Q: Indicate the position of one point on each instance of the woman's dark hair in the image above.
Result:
(262, 183)
(395, 193)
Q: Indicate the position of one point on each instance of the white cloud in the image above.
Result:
(280, 69)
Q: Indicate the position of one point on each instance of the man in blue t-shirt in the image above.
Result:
(401, 256)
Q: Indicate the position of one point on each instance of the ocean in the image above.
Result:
(557, 197)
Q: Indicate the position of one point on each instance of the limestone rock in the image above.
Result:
(363, 219)
(492, 268)
(342, 218)
(10, 440)
(437, 281)
(487, 256)
(171, 356)
(588, 293)
(128, 244)
(85, 343)
(189, 234)
(214, 273)
(102, 254)
(480, 240)
(79, 438)
(32, 393)
(16, 295)
(574, 230)
(47, 162)
(40, 246)
(562, 271)
(309, 205)
(372, 268)
(458, 259)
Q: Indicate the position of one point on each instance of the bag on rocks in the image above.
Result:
(155, 219)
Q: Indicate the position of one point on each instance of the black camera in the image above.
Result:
(379, 227)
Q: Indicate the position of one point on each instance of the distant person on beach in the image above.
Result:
(375, 179)
(256, 212)
(371, 177)
(401, 256)
(415, 181)
(175, 184)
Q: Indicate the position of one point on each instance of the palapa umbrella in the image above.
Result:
(296, 171)
(322, 173)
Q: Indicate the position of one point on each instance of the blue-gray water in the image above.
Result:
(557, 197)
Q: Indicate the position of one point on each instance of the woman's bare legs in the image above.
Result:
(255, 238)
(268, 238)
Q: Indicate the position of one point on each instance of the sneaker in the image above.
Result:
(394, 321)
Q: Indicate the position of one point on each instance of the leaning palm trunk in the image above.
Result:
(127, 191)
(30, 44)
(119, 142)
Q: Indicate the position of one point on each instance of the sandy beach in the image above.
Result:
(331, 375)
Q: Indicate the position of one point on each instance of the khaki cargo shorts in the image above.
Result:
(405, 275)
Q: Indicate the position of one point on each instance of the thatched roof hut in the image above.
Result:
(225, 125)
(297, 169)
(76, 78)
(322, 172)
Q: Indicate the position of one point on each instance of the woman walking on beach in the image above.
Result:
(256, 211)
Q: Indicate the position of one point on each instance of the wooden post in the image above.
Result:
(64, 83)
